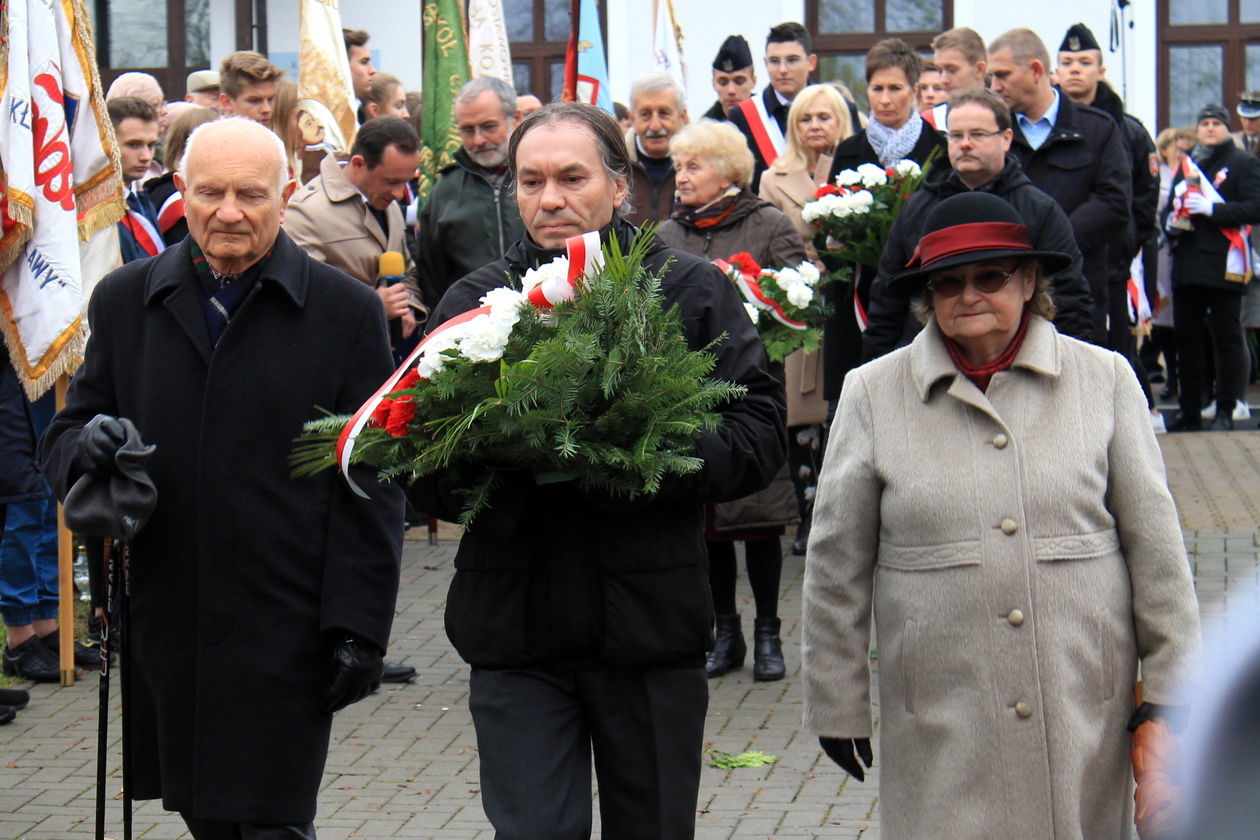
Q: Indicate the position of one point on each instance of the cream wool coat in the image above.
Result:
(1022, 554)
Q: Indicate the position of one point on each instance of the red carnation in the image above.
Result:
(891, 172)
(828, 189)
(380, 414)
(744, 262)
(409, 380)
(401, 413)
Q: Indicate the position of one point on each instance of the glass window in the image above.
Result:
(1249, 11)
(137, 33)
(520, 78)
(556, 15)
(1253, 67)
(197, 33)
(1198, 11)
(915, 16)
(1195, 80)
(557, 80)
(843, 16)
(518, 16)
(850, 69)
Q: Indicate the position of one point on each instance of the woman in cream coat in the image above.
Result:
(996, 493)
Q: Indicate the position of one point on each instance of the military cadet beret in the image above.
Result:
(734, 55)
(1079, 39)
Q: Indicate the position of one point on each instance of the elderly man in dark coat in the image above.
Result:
(260, 603)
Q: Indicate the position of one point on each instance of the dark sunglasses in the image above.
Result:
(987, 281)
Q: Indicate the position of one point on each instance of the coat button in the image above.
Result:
(1023, 710)
(1015, 617)
(1009, 526)
(1000, 440)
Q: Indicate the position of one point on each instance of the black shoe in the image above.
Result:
(397, 672)
(1182, 422)
(1222, 422)
(729, 649)
(7, 713)
(32, 661)
(767, 650)
(86, 658)
(14, 698)
(1169, 392)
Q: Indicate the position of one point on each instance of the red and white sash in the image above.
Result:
(766, 133)
(750, 288)
(1237, 259)
(144, 231)
(171, 212)
(584, 254)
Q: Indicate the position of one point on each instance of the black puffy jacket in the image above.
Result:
(550, 576)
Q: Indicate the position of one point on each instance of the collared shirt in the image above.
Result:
(1037, 132)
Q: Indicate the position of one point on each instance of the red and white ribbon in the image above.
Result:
(752, 292)
(585, 256)
(145, 232)
(172, 211)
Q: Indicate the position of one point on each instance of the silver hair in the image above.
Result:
(282, 157)
(506, 93)
(657, 83)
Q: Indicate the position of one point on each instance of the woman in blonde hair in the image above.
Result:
(284, 122)
(818, 120)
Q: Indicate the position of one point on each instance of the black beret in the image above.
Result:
(734, 55)
(1079, 39)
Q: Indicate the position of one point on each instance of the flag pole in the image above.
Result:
(65, 570)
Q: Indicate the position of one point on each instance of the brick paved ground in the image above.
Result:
(404, 762)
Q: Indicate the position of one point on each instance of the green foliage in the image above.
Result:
(604, 387)
(726, 761)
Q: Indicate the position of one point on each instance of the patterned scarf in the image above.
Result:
(894, 144)
(710, 214)
(982, 374)
(223, 294)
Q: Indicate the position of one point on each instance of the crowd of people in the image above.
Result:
(970, 457)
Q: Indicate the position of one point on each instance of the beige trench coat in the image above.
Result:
(1022, 554)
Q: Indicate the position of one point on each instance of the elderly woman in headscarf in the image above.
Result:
(995, 492)
(716, 216)
(894, 132)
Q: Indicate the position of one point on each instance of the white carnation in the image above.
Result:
(754, 314)
(848, 177)
(808, 272)
(788, 277)
(557, 268)
(872, 175)
(799, 295)
(860, 202)
(908, 169)
(429, 364)
(505, 304)
(431, 360)
(484, 339)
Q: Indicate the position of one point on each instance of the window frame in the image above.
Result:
(1233, 37)
(173, 76)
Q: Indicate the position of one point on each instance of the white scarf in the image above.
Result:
(894, 144)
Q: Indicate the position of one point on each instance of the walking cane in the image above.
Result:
(115, 507)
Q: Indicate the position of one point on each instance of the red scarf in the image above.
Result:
(982, 374)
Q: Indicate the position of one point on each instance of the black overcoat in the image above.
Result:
(242, 574)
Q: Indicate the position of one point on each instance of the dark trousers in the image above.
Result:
(1120, 335)
(1223, 310)
(536, 731)
(216, 830)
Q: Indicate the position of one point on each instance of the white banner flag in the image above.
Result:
(323, 68)
(667, 41)
(488, 51)
(61, 185)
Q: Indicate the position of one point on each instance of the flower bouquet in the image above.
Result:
(785, 304)
(859, 208)
(582, 375)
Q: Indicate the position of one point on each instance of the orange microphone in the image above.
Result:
(392, 270)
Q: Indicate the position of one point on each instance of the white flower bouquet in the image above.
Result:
(857, 210)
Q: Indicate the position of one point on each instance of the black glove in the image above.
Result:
(356, 672)
(1175, 716)
(98, 444)
(841, 751)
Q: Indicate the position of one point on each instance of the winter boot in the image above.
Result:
(728, 648)
(767, 650)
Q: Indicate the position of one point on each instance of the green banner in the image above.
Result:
(445, 72)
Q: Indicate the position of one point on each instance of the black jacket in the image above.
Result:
(842, 350)
(1144, 177)
(244, 574)
(891, 322)
(465, 224)
(1199, 256)
(1084, 166)
(716, 113)
(549, 576)
(159, 189)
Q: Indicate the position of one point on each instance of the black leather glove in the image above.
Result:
(356, 672)
(98, 444)
(1175, 716)
(841, 751)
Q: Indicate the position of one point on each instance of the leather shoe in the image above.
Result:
(14, 698)
(397, 672)
(84, 657)
(1182, 422)
(767, 650)
(7, 713)
(729, 648)
(1222, 423)
(32, 661)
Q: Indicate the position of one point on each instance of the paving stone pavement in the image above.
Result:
(403, 762)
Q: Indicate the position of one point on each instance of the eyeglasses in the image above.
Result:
(972, 136)
(791, 61)
(986, 281)
(486, 129)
